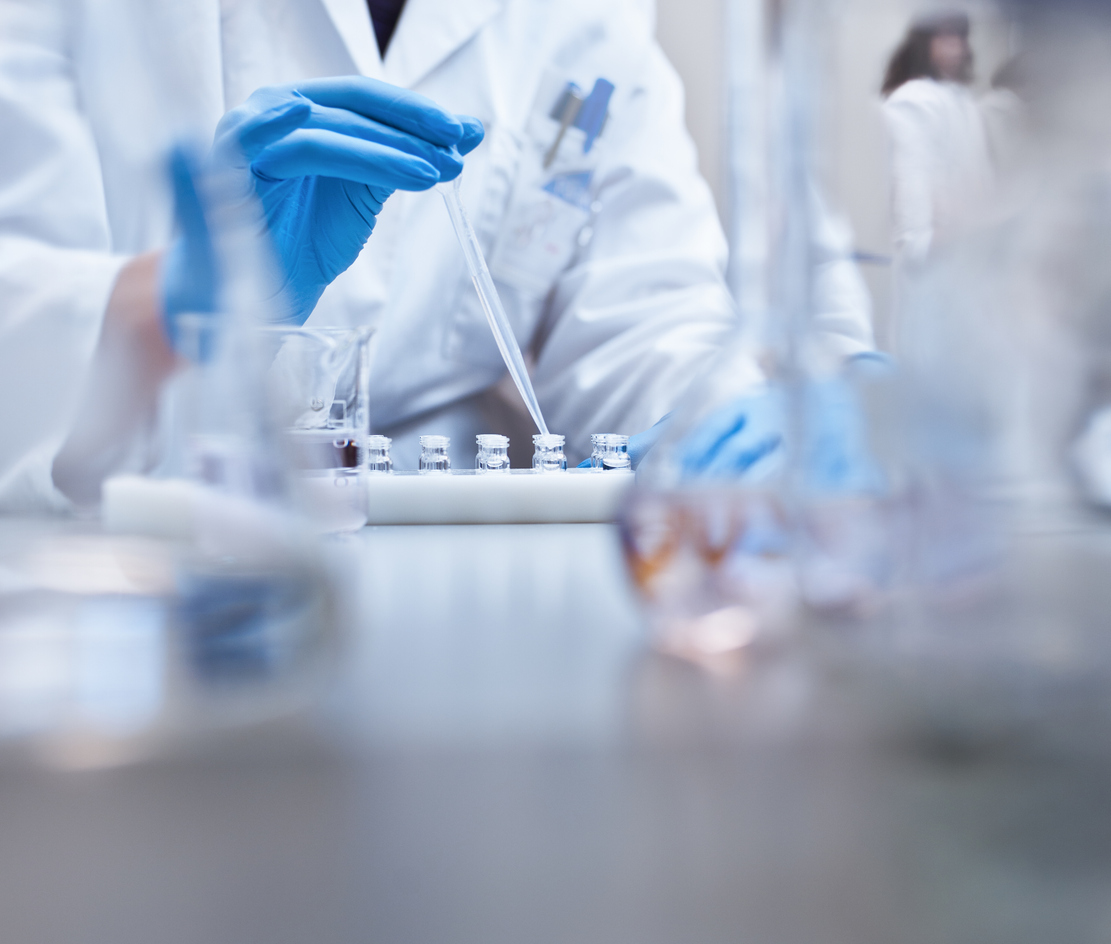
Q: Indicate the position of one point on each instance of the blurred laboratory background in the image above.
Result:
(855, 164)
(440, 505)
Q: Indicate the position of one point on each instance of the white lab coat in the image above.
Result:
(941, 174)
(620, 302)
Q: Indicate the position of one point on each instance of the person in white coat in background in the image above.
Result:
(941, 173)
(602, 237)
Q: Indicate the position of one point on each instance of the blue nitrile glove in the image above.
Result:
(734, 438)
(837, 457)
(726, 444)
(744, 438)
(322, 156)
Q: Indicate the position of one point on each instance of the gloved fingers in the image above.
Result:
(737, 455)
(312, 152)
(473, 133)
(701, 446)
(446, 160)
(407, 111)
(240, 136)
(725, 438)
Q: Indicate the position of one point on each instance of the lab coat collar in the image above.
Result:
(351, 19)
(428, 32)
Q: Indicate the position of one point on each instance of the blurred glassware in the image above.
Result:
(317, 393)
(115, 648)
(277, 413)
(908, 494)
(831, 481)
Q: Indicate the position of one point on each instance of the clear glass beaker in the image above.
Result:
(316, 389)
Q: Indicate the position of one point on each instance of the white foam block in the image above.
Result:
(165, 508)
(517, 497)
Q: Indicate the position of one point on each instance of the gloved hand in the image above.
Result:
(744, 439)
(727, 443)
(735, 438)
(322, 156)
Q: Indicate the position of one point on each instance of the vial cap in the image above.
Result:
(435, 442)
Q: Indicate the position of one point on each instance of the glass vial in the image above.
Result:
(378, 454)
(548, 455)
(493, 453)
(433, 454)
(610, 451)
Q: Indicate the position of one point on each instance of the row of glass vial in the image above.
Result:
(610, 451)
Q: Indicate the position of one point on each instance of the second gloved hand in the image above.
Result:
(730, 442)
(744, 439)
(323, 155)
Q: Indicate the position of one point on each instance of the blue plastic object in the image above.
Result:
(592, 115)
(190, 274)
(745, 438)
(734, 438)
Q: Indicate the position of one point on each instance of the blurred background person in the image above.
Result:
(941, 168)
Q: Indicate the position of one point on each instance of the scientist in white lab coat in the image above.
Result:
(941, 173)
(606, 248)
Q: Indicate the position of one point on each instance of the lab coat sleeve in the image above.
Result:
(909, 125)
(644, 307)
(56, 268)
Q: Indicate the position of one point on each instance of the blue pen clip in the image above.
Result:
(591, 118)
(588, 114)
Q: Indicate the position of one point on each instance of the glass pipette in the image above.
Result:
(491, 304)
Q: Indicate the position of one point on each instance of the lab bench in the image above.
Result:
(496, 754)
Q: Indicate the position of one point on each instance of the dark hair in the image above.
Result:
(912, 59)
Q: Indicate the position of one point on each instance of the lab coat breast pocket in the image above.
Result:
(545, 212)
(551, 201)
